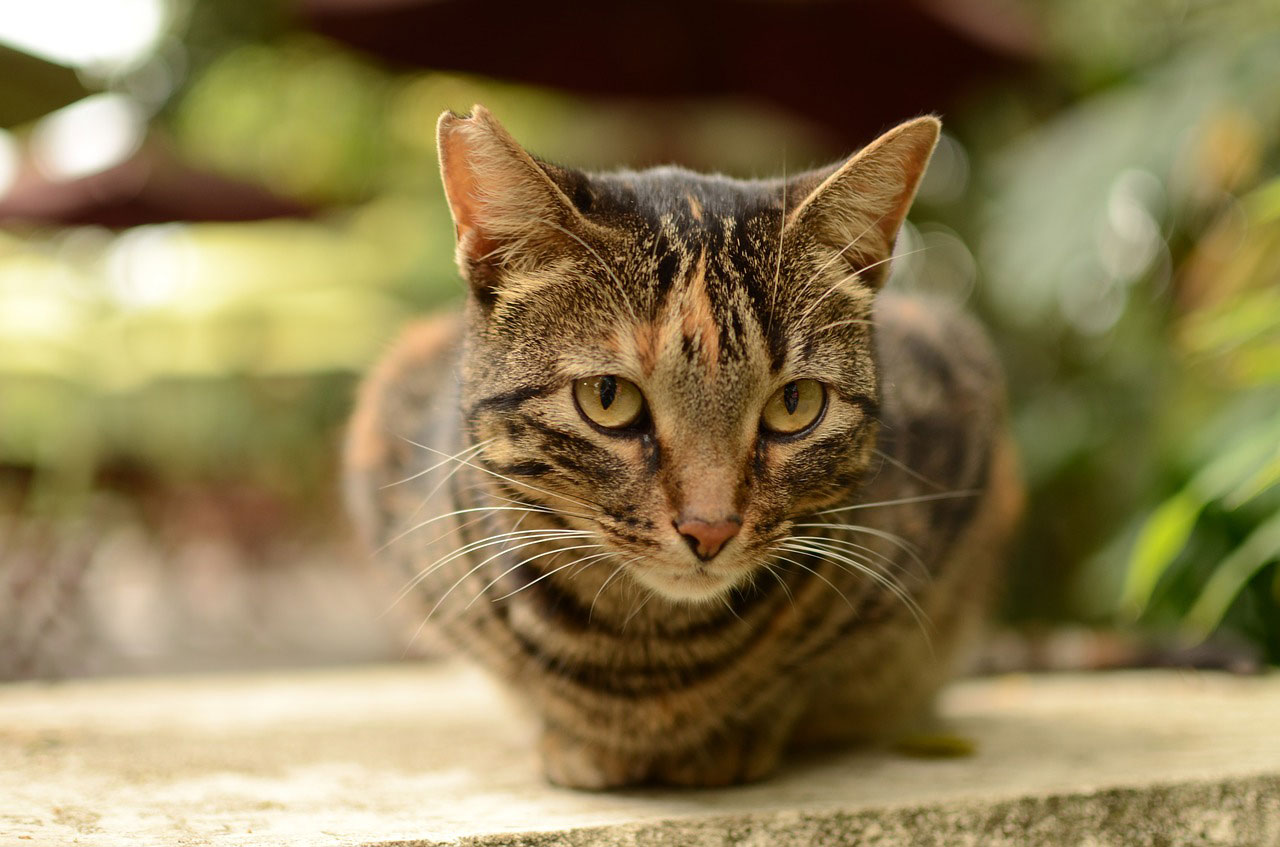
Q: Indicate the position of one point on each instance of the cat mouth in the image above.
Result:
(690, 584)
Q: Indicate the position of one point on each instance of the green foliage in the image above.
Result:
(1232, 352)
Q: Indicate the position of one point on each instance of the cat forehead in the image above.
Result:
(673, 195)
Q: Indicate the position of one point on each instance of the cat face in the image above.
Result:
(680, 363)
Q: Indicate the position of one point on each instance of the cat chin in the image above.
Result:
(693, 586)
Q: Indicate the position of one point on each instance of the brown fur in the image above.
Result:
(644, 662)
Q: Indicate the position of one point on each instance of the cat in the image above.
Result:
(681, 475)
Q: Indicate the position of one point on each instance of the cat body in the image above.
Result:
(678, 475)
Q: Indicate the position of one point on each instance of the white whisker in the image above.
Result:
(537, 536)
(520, 564)
(647, 597)
(832, 260)
(786, 588)
(889, 584)
(508, 479)
(862, 549)
(446, 460)
(897, 540)
(591, 610)
(558, 569)
(818, 575)
(968, 492)
(500, 553)
(916, 475)
(626, 296)
(835, 286)
(455, 513)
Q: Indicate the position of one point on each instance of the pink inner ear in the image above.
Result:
(462, 193)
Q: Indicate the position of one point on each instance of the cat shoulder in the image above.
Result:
(406, 377)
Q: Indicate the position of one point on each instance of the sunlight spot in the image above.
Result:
(98, 35)
(87, 137)
(10, 159)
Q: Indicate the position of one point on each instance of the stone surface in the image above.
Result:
(432, 754)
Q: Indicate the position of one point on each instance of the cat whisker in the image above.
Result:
(607, 269)
(785, 588)
(445, 479)
(465, 550)
(922, 498)
(838, 592)
(455, 513)
(521, 564)
(862, 550)
(592, 608)
(777, 272)
(647, 597)
(839, 254)
(469, 522)
(889, 584)
(914, 474)
(511, 481)
(464, 577)
(732, 611)
(468, 574)
(443, 461)
(535, 508)
(544, 508)
(536, 535)
(896, 540)
(845, 322)
(807, 313)
(448, 476)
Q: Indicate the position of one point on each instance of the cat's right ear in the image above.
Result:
(507, 212)
(855, 209)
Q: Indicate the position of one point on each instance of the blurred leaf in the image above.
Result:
(1161, 539)
(1265, 477)
(1259, 365)
(1263, 204)
(1242, 319)
(1259, 549)
(1240, 469)
(1235, 466)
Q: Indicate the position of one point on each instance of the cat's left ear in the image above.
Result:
(857, 209)
(507, 211)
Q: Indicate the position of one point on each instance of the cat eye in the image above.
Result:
(794, 406)
(609, 401)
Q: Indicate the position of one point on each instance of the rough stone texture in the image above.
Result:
(431, 754)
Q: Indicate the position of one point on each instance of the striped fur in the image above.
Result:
(868, 544)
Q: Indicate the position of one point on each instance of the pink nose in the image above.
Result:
(706, 539)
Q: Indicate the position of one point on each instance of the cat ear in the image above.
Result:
(507, 211)
(857, 208)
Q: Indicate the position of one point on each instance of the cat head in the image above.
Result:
(680, 363)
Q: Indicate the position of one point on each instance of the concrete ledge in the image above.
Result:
(429, 755)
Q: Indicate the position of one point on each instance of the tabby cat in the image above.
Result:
(680, 475)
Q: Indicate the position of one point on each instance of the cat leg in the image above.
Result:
(737, 755)
(721, 762)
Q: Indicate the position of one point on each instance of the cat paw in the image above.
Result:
(570, 763)
(719, 765)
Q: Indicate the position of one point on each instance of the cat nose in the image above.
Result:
(706, 538)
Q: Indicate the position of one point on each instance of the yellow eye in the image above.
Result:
(609, 401)
(794, 406)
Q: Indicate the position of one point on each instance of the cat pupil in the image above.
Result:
(608, 391)
(791, 397)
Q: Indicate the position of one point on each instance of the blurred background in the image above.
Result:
(215, 215)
